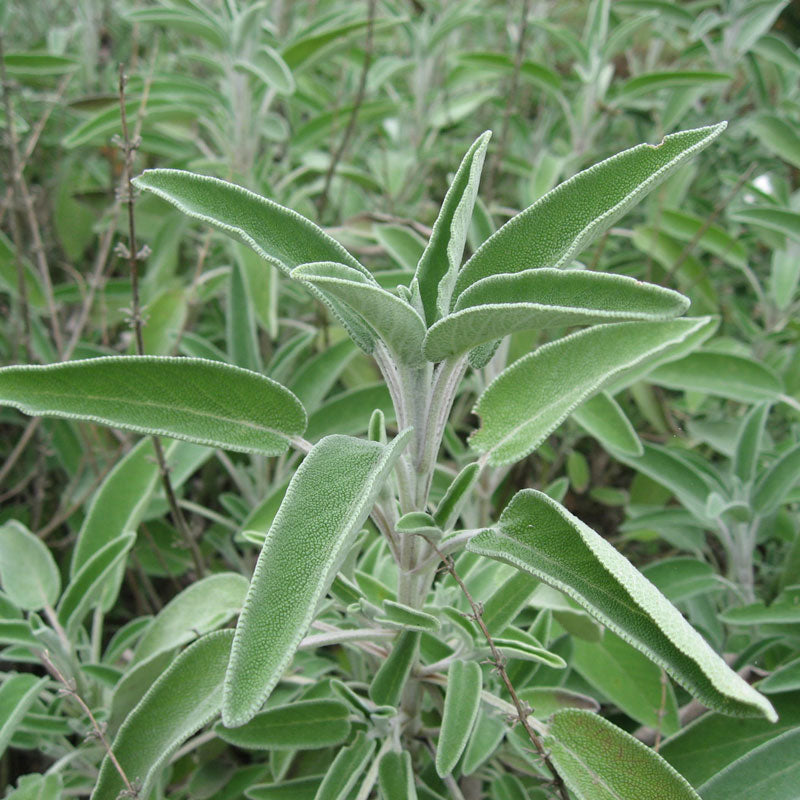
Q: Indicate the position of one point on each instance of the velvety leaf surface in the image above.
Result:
(602, 417)
(539, 536)
(326, 503)
(545, 298)
(17, 695)
(187, 398)
(386, 687)
(396, 777)
(533, 396)
(28, 573)
(179, 703)
(556, 228)
(461, 704)
(347, 767)
(774, 484)
(599, 761)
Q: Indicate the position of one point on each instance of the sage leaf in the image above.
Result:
(748, 443)
(462, 701)
(187, 398)
(599, 761)
(303, 725)
(346, 769)
(532, 397)
(390, 679)
(457, 493)
(485, 738)
(205, 605)
(545, 298)
(557, 227)
(17, 695)
(396, 777)
(28, 573)
(436, 271)
(774, 484)
(769, 772)
(315, 378)
(399, 326)
(539, 536)
(327, 501)
(185, 698)
(602, 417)
(294, 789)
(398, 615)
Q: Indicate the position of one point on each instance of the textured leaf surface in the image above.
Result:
(769, 772)
(556, 228)
(392, 318)
(28, 572)
(396, 777)
(179, 703)
(545, 298)
(347, 767)
(461, 704)
(539, 536)
(387, 685)
(774, 484)
(437, 268)
(748, 443)
(599, 761)
(187, 398)
(602, 417)
(17, 695)
(304, 725)
(533, 396)
(326, 503)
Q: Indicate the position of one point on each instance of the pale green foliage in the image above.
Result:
(461, 704)
(346, 769)
(193, 399)
(17, 694)
(602, 416)
(28, 573)
(599, 761)
(389, 681)
(396, 777)
(326, 503)
(539, 536)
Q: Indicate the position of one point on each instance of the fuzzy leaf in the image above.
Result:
(780, 220)
(185, 697)
(533, 396)
(457, 494)
(326, 503)
(402, 616)
(602, 417)
(599, 761)
(17, 695)
(748, 443)
(28, 573)
(346, 769)
(187, 398)
(396, 777)
(774, 484)
(539, 536)
(545, 298)
(437, 268)
(391, 317)
(302, 725)
(556, 228)
(390, 679)
(461, 704)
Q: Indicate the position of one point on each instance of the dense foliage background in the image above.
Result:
(356, 114)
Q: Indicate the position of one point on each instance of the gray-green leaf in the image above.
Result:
(461, 704)
(28, 572)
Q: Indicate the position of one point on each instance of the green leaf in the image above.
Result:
(533, 396)
(653, 81)
(507, 601)
(556, 228)
(187, 20)
(786, 678)
(270, 68)
(85, 590)
(187, 398)
(598, 761)
(200, 608)
(537, 535)
(778, 135)
(629, 679)
(723, 374)
(314, 378)
(402, 616)
(391, 317)
(294, 789)
(241, 332)
(396, 777)
(349, 412)
(546, 700)
(774, 484)
(603, 418)
(748, 443)
(28, 572)
(390, 679)
(17, 695)
(682, 578)
(769, 772)
(545, 298)
(485, 738)
(346, 769)
(457, 493)
(403, 244)
(184, 699)
(434, 279)
(302, 725)
(37, 787)
(327, 501)
(461, 704)
(780, 220)
(38, 64)
(279, 235)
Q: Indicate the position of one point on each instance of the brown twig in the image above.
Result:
(70, 690)
(30, 429)
(499, 663)
(129, 147)
(322, 202)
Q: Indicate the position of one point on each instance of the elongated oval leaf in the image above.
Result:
(387, 685)
(392, 318)
(279, 235)
(456, 495)
(780, 220)
(17, 695)
(326, 503)
(461, 704)
(187, 398)
(773, 486)
(533, 396)
(180, 702)
(544, 298)
(556, 228)
(599, 761)
(28, 572)
(198, 609)
(539, 536)
(396, 777)
(346, 769)
(437, 268)
(304, 725)
(398, 615)
(602, 417)
(748, 443)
